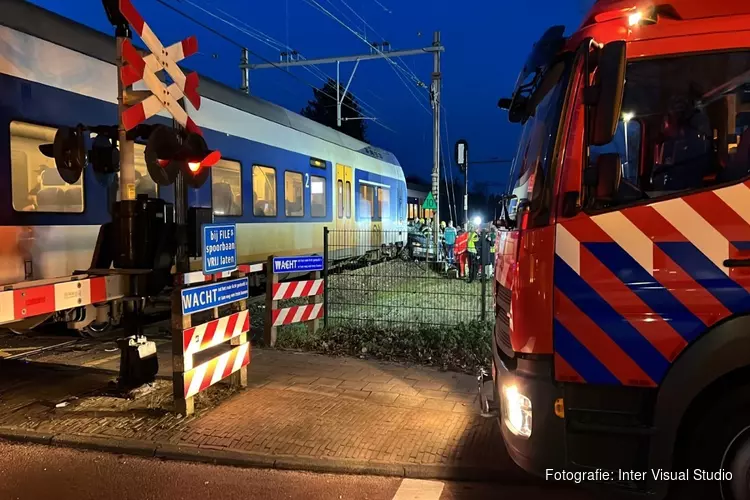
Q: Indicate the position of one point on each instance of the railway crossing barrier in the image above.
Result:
(312, 289)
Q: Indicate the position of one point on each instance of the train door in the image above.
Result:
(343, 240)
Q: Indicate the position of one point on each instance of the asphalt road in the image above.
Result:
(32, 472)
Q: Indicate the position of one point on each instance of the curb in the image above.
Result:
(221, 456)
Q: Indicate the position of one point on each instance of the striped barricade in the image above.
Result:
(276, 316)
(35, 298)
(215, 349)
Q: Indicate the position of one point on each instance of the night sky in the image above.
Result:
(486, 44)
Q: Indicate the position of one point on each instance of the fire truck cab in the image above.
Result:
(622, 281)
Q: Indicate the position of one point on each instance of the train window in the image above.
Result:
(317, 196)
(226, 188)
(264, 191)
(144, 184)
(35, 183)
(348, 200)
(340, 198)
(294, 194)
(366, 201)
(384, 202)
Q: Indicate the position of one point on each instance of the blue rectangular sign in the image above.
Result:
(205, 297)
(304, 263)
(219, 248)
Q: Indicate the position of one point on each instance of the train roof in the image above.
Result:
(18, 15)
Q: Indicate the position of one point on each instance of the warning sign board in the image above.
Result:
(429, 202)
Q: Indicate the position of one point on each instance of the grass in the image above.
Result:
(402, 311)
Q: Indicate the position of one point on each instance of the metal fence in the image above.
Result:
(380, 277)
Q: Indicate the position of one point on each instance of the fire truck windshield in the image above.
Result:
(531, 163)
(684, 124)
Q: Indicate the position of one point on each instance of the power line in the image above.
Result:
(315, 4)
(395, 66)
(383, 7)
(414, 76)
(224, 37)
(274, 44)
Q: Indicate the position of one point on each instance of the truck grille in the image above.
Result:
(502, 319)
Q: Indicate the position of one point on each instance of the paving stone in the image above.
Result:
(428, 384)
(432, 394)
(409, 402)
(302, 418)
(328, 382)
(437, 404)
(352, 385)
(352, 394)
(382, 397)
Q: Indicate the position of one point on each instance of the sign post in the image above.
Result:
(429, 202)
(219, 248)
(313, 289)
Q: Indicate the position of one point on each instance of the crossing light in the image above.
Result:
(169, 152)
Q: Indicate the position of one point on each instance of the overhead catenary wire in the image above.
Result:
(413, 75)
(394, 64)
(276, 45)
(452, 191)
(234, 42)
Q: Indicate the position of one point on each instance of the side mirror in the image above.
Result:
(604, 177)
(610, 84)
(504, 103)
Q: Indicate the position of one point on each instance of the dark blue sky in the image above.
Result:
(486, 44)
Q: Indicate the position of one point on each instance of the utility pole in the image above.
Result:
(378, 54)
(435, 98)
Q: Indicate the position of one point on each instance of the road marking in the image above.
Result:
(418, 489)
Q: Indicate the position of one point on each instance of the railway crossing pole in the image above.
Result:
(435, 98)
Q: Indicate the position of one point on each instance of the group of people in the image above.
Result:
(473, 246)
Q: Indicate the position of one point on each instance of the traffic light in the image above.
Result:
(169, 152)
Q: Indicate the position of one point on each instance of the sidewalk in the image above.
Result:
(301, 411)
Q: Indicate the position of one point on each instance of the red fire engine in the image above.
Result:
(621, 350)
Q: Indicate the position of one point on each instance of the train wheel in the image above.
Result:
(25, 326)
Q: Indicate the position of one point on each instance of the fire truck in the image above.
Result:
(621, 351)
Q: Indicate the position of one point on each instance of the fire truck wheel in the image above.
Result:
(716, 450)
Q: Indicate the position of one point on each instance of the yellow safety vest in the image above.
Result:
(472, 243)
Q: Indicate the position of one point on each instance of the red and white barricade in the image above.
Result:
(216, 349)
(276, 316)
(28, 299)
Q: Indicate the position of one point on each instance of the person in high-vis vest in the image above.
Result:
(471, 247)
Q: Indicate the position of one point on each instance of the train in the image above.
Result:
(282, 179)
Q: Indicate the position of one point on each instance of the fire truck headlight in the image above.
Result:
(516, 411)
(635, 18)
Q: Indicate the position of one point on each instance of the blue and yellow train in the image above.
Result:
(282, 179)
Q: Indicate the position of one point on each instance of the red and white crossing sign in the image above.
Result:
(145, 68)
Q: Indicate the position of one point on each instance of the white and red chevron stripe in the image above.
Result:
(213, 333)
(202, 377)
(296, 314)
(294, 289)
(29, 299)
(145, 68)
(198, 277)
